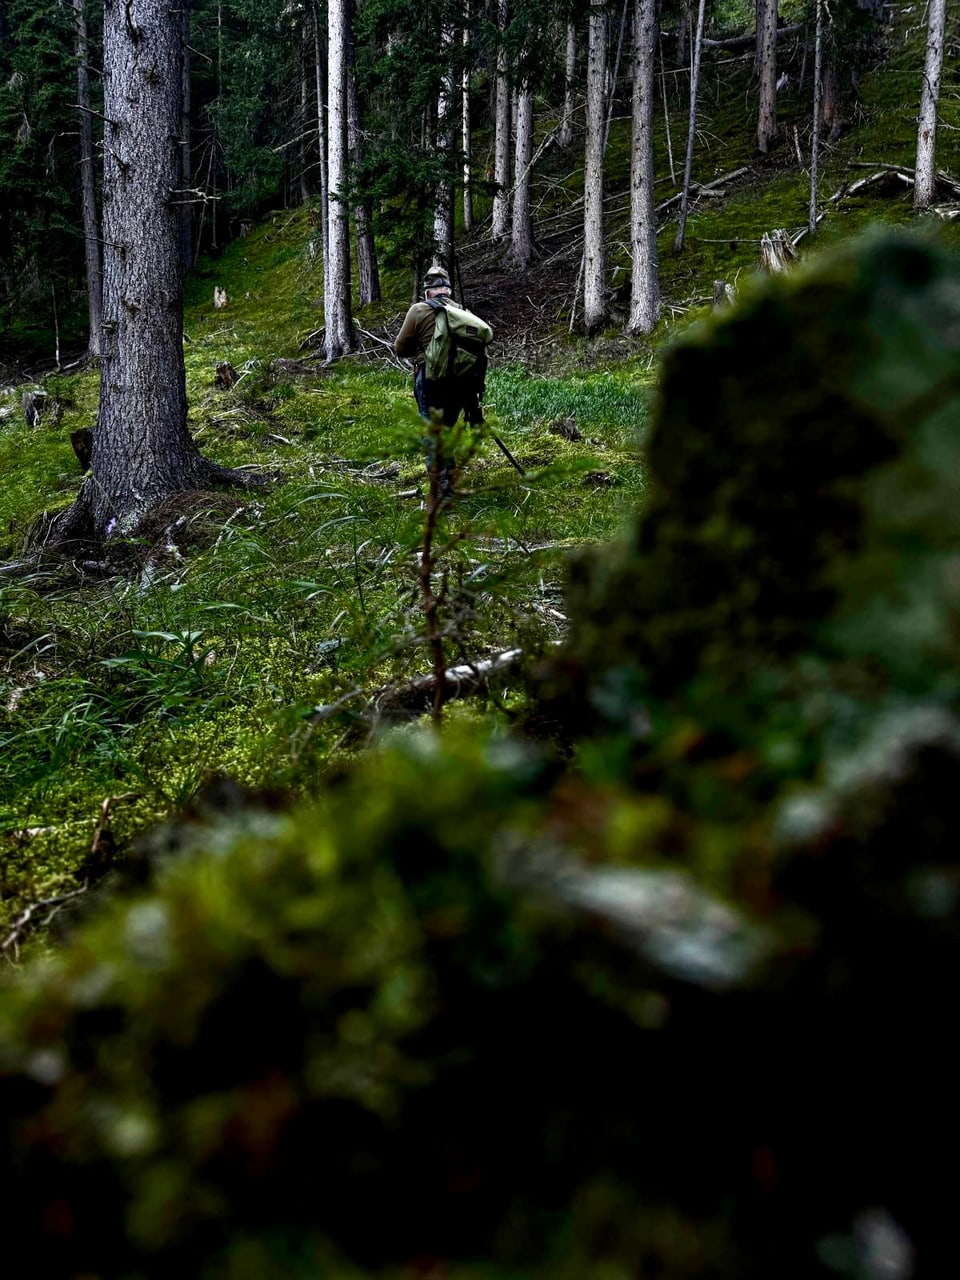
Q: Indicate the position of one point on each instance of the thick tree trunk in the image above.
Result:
(501, 142)
(691, 128)
(186, 143)
(569, 87)
(645, 292)
(767, 118)
(830, 99)
(88, 185)
(929, 101)
(684, 23)
(521, 245)
(338, 318)
(594, 260)
(142, 451)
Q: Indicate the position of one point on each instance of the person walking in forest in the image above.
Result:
(447, 346)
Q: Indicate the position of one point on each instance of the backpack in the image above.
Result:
(457, 352)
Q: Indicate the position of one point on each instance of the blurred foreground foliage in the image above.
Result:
(661, 989)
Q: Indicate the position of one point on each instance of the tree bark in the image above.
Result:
(767, 118)
(565, 137)
(501, 143)
(443, 216)
(88, 185)
(466, 132)
(691, 128)
(594, 270)
(319, 65)
(368, 269)
(815, 140)
(186, 142)
(142, 450)
(645, 291)
(929, 101)
(338, 318)
(521, 245)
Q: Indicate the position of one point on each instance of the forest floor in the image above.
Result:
(253, 644)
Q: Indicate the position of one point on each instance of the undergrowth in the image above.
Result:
(255, 653)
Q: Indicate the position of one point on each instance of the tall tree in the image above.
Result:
(142, 450)
(338, 318)
(521, 234)
(767, 117)
(466, 127)
(368, 267)
(929, 102)
(443, 217)
(565, 137)
(691, 128)
(645, 284)
(815, 133)
(594, 258)
(501, 131)
(88, 184)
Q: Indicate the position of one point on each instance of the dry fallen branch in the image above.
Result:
(10, 945)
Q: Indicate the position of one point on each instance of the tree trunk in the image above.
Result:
(319, 66)
(88, 185)
(306, 107)
(142, 451)
(501, 142)
(522, 235)
(338, 318)
(830, 99)
(570, 87)
(368, 269)
(759, 25)
(684, 23)
(443, 209)
(645, 292)
(466, 134)
(186, 143)
(594, 268)
(767, 119)
(691, 129)
(929, 101)
(815, 140)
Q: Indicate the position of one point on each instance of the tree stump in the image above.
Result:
(82, 441)
(226, 376)
(776, 251)
(34, 403)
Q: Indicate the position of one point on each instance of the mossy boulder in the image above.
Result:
(802, 484)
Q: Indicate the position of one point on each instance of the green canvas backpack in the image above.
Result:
(458, 349)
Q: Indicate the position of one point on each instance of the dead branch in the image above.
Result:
(22, 921)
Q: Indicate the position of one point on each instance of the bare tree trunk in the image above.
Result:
(88, 185)
(186, 142)
(501, 143)
(929, 101)
(645, 291)
(443, 215)
(338, 319)
(521, 246)
(815, 141)
(759, 24)
(767, 119)
(830, 98)
(466, 132)
(306, 107)
(142, 450)
(319, 65)
(368, 269)
(594, 271)
(684, 23)
(569, 87)
(692, 128)
(615, 73)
